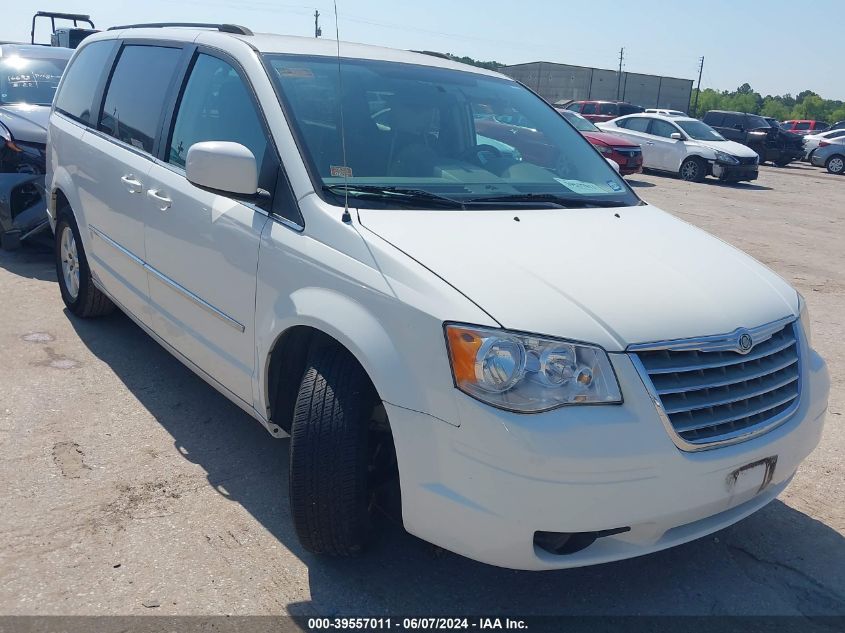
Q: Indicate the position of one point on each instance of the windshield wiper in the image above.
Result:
(399, 194)
(561, 201)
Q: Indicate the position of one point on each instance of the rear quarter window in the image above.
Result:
(76, 95)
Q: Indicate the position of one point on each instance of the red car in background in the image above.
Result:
(601, 111)
(534, 147)
(628, 155)
(804, 126)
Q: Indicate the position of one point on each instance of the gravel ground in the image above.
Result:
(131, 487)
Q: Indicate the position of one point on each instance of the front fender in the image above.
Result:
(385, 308)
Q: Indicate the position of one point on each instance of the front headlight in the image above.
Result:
(804, 318)
(726, 158)
(527, 373)
(604, 149)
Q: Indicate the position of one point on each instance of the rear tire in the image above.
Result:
(79, 293)
(329, 492)
(693, 169)
(836, 164)
(783, 162)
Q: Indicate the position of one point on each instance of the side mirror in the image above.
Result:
(676, 136)
(222, 166)
(613, 164)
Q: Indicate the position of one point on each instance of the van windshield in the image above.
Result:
(449, 137)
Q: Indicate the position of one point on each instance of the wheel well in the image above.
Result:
(287, 364)
(61, 201)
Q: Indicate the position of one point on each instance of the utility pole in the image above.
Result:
(619, 78)
(698, 90)
(317, 30)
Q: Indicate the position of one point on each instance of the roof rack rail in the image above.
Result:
(434, 54)
(223, 28)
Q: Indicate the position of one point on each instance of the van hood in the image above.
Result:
(613, 277)
(729, 147)
(27, 123)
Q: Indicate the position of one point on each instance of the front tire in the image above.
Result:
(693, 169)
(835, 164)
(329, 453)
(79, 293)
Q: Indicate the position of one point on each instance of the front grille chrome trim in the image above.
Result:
(730, 405)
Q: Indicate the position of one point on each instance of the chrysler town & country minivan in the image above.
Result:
(553, 372)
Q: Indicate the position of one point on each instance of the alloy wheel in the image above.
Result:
(70, 262)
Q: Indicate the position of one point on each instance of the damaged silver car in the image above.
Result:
(29, 76)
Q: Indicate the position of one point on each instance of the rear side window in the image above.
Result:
(588, 108)
(627, 108)
(76, 96)
(134, 99)
(637, 124)
(802, 125)
(608, 108)
(714, 118)
(575, 107)
(662, 128)
(216, 106)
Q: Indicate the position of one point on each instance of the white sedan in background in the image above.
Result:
(685, 146)
(811, 141)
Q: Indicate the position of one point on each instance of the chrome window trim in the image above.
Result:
(720, 342)
(170, 282)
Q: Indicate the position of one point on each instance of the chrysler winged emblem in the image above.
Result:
(744, 342)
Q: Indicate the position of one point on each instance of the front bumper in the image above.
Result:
(483, 488)
(734, 173)
(628, 164)
(817, 160)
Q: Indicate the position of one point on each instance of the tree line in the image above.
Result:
(805, 105)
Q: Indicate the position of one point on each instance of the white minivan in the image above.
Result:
(551, 371)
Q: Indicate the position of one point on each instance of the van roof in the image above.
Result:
(293, 45)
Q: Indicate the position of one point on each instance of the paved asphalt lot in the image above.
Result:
(131, 487)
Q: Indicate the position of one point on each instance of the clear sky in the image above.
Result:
(776, 46)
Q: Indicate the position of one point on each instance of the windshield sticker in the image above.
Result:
(340, 171)
(296, 73)
(614, 185)
(579, 186)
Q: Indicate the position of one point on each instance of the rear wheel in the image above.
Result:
(79, 293)
(836, 164)
(693, 169)
(341, 452)
(783, 162)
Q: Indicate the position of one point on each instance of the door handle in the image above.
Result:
(132, 185)
(162, 201)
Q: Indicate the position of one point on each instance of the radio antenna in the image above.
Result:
(345, 217)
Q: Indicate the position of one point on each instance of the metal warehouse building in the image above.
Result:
(556, 82)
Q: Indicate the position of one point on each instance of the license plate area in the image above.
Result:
(753, 477)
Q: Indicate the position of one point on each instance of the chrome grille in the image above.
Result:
(712, 393)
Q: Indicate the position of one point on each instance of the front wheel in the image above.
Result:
(693, 169)
(79, 293)
(331, 454)
(783, 162)
(836, 164)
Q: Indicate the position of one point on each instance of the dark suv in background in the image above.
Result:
(770, 142)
